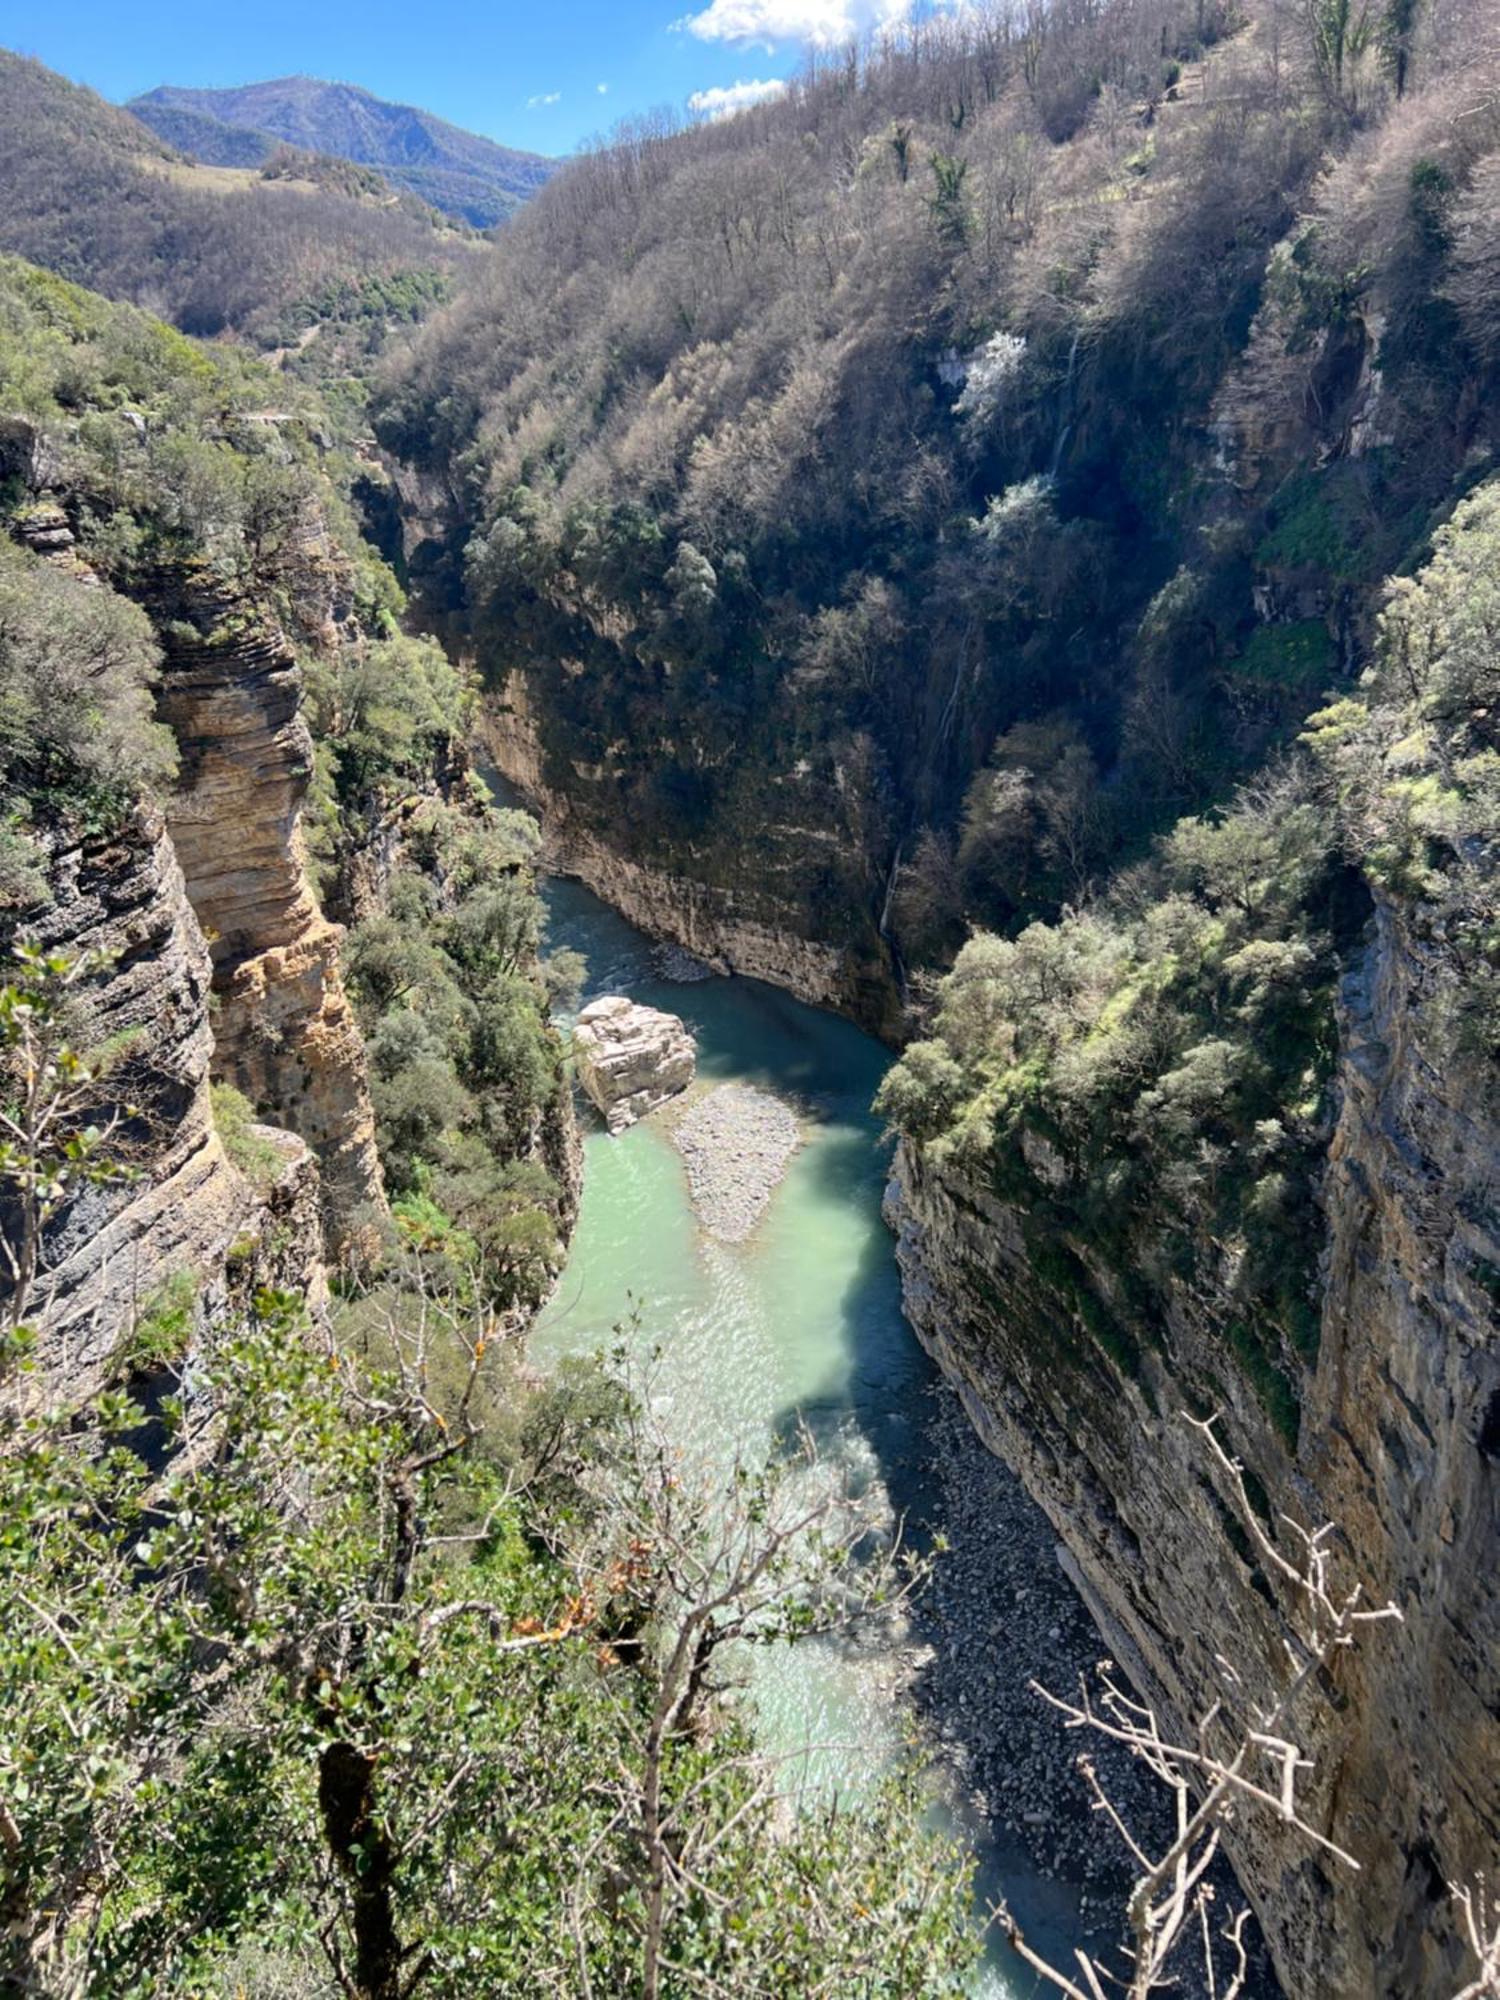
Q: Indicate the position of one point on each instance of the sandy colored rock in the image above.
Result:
(285, 1033)
(631, 1058)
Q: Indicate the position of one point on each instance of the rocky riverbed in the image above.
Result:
(736, 1143)
(999, 1614)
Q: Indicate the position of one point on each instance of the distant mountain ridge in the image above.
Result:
(456, 171)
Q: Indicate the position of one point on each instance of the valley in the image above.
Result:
(971, 583)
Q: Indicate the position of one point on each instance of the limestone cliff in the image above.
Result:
(742, 907)
(1399, 1445)
(284, 1032)
(119, 901)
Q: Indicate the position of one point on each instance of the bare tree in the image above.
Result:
(1241, 1755)
(702, 1569)
(1480, 1908)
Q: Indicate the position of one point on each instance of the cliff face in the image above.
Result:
(1398, 1445)
(284, 1032)
(122, 900)
(743, 907)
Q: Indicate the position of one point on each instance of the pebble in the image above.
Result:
(681, 966)
(1007, 1751)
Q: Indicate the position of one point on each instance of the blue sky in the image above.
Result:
(545, 75)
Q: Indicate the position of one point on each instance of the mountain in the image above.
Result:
(456, 171)
(89, 192)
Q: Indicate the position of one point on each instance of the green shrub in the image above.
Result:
(257, 1158)
(1297, 657)
(159, 1334)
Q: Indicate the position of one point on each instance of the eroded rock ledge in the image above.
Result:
(285, 1033)
(121, 903)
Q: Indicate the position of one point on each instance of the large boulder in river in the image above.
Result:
(631, 1058)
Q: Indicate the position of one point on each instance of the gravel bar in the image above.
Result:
(736, 1143)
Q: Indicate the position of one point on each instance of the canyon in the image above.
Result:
(1397, 1446)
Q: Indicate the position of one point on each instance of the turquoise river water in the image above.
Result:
(803, 1321)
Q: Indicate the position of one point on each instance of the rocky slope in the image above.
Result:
(1398, 1446)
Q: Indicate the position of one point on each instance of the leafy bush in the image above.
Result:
(76, 669)
(248, 1148)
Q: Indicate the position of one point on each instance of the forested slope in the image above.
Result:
(972, 455)
(91, 193)
(1033, 484)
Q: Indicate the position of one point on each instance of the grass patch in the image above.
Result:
(248, 1148)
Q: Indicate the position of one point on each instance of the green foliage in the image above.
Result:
(333, 1696)
(366, 1660)
(1295, 658)
(464, 1063)
(386, 713)
(1414, 767)
(1305, 531)
(77, 665)
(159, 1334)
(1150, 1046)
(93, 195)
(760, 508)
(247, 1146)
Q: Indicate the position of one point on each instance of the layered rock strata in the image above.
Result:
(285, 1033)
(631, 1058)
(1400, 1448)
(120, 903)
(741, 925)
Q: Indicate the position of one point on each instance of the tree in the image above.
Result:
(77, 664)
(360, 1650)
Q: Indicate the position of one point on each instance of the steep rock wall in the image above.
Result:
(1400, 1446)
(746, 925)
(122, 902)
(284, 1031)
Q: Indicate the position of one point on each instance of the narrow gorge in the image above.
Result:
(750, 1037)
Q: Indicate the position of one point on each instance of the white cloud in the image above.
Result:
(543, 97)
(725, 99)
(602, 88)
(823, 24)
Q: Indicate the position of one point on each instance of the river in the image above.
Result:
(803, 1321)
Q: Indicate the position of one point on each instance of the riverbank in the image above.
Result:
(802, 1325)
(999, 1614)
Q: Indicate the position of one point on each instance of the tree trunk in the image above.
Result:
(367, 1859)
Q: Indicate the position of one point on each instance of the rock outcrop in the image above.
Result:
(120, 902)
(755, 921)
(1399, 1445)
(285, 1033)
(631, 1058)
